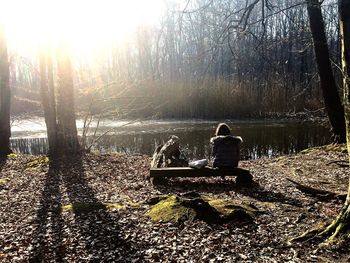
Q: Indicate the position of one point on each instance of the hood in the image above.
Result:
(227, 138)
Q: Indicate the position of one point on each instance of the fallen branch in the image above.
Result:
(340, 163)
(95, 140)
(319, 193)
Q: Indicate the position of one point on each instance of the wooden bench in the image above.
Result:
(244, 176)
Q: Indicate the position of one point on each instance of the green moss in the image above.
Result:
(228, 207)
(206, 208)
(37, 163)
(12, 156)
(133, 204)
(88, 207)
(170, 209)
(3, 181)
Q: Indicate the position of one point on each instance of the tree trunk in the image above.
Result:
(67, 130)
(343, 219)
(5, 97)
(331, 97)
(339, 229)
(48, 101)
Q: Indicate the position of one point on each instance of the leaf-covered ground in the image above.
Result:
(93, 210)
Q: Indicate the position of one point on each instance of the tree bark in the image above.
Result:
(331, 97)
(339, 229)
(344, 19)
(48, 101)
(67, 130)
(5, 97)
(341, 225)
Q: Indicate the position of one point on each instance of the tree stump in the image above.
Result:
(168, 155)
(193, 206)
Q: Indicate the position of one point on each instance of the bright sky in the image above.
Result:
(83, 24)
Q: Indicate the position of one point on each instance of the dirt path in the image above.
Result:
(93, 211)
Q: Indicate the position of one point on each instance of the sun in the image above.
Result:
(84, 24)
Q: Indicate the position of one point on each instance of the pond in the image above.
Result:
(260, 138)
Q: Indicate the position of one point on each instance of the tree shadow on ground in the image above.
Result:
(3, 160)
(217, 186)
(47, 239)
(95, 232)
(196, 185)
(265, 195)
(343, 249)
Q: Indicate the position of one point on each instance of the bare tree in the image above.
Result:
(216, 59)
(67, 129)
(339, 229)
(5, 97)
(47, 91)
(59, 106)
(331, 97)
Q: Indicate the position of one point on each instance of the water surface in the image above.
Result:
(260, 138)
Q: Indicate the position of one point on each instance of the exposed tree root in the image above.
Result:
(333, 234)
(338, 230)
(319, 193)
(308, 235)
(339, 163)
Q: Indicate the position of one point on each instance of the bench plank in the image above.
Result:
(168, 172)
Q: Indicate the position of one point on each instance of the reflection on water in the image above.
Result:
(260, 139)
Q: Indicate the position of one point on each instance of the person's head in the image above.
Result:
(222, 129)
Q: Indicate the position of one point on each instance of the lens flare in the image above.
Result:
(85, 25)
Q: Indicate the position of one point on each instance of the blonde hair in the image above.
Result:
(222, 129)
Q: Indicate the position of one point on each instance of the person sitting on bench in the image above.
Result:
(225, 147)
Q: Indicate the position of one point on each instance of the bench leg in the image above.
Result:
(244, 180)
(158, 181)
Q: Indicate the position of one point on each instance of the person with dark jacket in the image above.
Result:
(225, 147)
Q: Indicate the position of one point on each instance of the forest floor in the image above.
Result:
(93, 210)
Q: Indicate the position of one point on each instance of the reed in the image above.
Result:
(208, 98)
